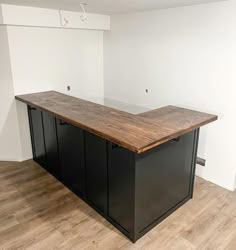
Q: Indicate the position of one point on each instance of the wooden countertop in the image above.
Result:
(137, 133)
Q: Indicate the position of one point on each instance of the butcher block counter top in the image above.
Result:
(137, 133)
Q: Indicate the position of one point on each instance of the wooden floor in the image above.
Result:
(38, 212)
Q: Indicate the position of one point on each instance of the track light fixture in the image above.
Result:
(84, 16)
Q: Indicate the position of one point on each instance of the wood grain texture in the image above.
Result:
(134, 132)
(178, 119)
(38, 212)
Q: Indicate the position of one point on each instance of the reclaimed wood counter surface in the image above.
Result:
(137, 133)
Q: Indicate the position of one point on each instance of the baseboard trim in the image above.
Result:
(15, 160)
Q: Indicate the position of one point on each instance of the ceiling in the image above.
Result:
(107, 6)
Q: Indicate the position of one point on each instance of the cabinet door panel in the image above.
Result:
(163, 178)
(50, 135)
(37, 135)
(121, 181)
(71, 154)
(96, 170)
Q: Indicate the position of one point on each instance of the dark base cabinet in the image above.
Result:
(51, 146)
(96, 170)
(145, 188)
(71, 155)
(121, 183)
(37, 135)
(133, 191)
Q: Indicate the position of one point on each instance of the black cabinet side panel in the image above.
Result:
(96, 170)
(71, 155)
(121, 179)
(37, 135)
(163, 179)
(50, 135)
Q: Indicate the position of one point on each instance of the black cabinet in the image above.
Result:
(50, 138)
(145, 188)
(96, 170)
(71, 155)
(164, 177)
(121, 182)
(132, 191)
(37, 135)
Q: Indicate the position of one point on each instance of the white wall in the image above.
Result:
(41, 59)
(44, 59)
(10, 148)
(185, 56)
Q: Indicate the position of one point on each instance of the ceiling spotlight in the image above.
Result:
(84, 16)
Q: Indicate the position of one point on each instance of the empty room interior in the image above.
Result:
(117, 124)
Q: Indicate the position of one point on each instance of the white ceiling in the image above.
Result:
(107, 6)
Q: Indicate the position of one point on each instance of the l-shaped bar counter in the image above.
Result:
(134, 170)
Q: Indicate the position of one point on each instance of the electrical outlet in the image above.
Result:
(68, 88)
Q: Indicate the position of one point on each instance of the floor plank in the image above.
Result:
(38, 212)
